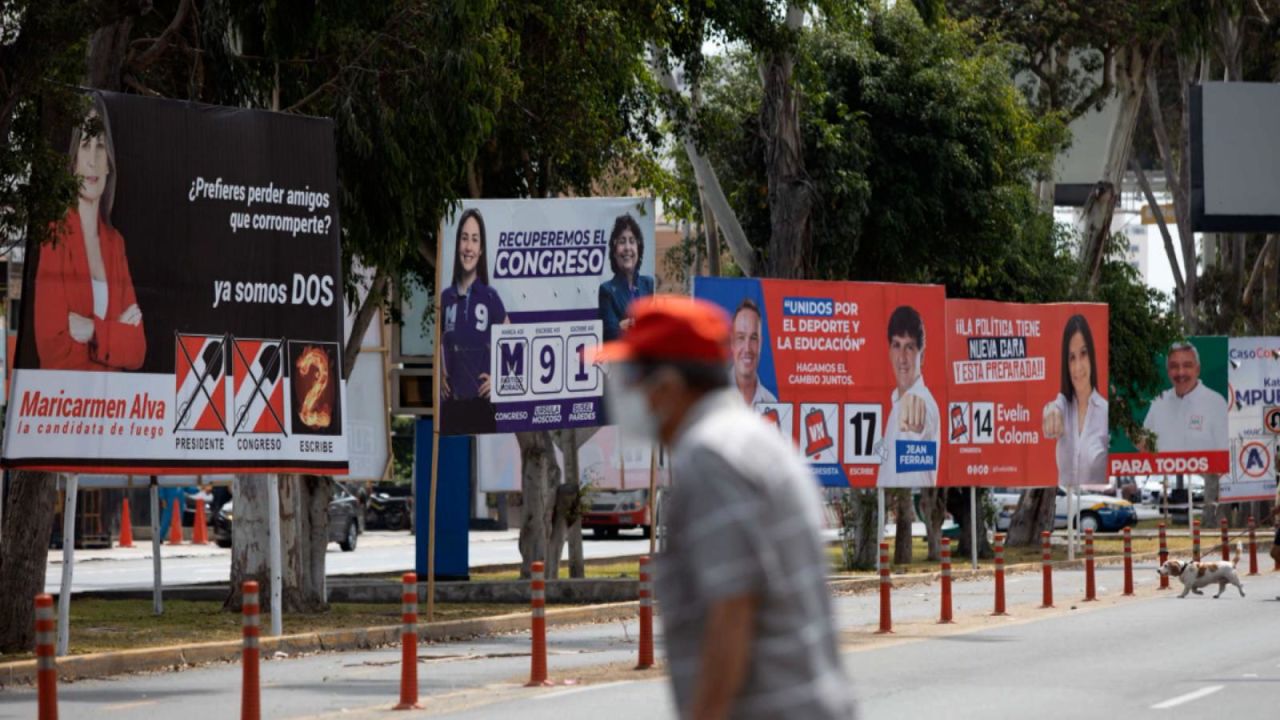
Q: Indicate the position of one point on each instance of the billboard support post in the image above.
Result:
(273, 537)
(68, 561)
(973, 526)
(157, 591)
(880, 516)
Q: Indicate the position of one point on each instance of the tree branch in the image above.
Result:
(1164, 229)
(1247, 295)
(360, 325)
(709, 184)
(175, 26)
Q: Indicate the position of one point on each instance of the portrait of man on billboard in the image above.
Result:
(746, 354)
(915, 413)
(1188, 416)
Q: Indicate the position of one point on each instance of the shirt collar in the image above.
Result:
(917, 385)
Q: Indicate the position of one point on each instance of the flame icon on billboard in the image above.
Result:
(815, 427)
(313, 373)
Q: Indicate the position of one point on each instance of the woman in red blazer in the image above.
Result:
(86, 313)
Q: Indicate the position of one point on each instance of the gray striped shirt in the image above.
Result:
(744, 519)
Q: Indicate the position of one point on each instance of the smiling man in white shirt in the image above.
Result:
(915, 413)
(745, 344)
(1188, 416)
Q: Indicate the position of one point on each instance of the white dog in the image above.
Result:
(1195, 575)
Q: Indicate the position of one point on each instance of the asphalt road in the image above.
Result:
(377, 551)
(1119, 657)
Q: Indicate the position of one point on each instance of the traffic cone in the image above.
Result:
(175, 524)
(126, 526)
(200, 533)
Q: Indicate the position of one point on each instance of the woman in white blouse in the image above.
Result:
(1077, 417)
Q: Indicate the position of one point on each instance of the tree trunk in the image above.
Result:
(292, 537)
(790, 191)
(905, 515)
(858, 520)
(107, 48)
(315, 508)
(1033, 516)
(1211, 511)
(570, 442)
(24, 554)
(1100, 207)
(538, 472)
(933, 507)
(958, 506)
(250, 558)
(712, 236)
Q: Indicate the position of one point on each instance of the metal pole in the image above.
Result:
(880, 517)
(3, 478)
(273, 539)
(157, 596)
(973, 526)
(1071, 521)
(68, 560)
(653, 495)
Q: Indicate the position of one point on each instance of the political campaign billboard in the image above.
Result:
(1185, 422)
(528, 287)
(186, 315)
(1253, 419)
(853, 372)
(1027, 402)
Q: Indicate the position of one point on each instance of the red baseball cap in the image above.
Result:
(671, 327)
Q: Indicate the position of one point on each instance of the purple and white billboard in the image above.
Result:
(527, 288)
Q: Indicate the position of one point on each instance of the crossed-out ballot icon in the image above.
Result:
(251, 403)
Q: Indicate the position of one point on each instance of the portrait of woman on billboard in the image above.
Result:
(470, 307)
(86, 312)
(626, 251)
(1077, 417)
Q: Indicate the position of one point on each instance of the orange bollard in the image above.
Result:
(1128, 563)
(1195, 541)
(250, 692)
(646, 617)
(1090, 589)
(999, 551)
(126, 525)
(1253, 546)
(46, 659)
(946, 581)
(1226, 540)
(886, 615)
(200, 528)
(175, 525)
(1046, 558)
(1164, 557)
(409, 644)
(538, 585)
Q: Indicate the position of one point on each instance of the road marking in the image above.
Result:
(131, 705)
(1183, 699)
(582, 688)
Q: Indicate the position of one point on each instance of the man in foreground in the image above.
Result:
(742, 585)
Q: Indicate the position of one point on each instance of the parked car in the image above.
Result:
(611, 511)
(1153, 489)
(1099, 513)
(1125, 488)
(344, 521)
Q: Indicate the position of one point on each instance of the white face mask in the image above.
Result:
(629, 408)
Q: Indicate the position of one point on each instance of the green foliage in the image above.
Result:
(42, 47)
(920, 150)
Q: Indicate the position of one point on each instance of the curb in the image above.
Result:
(120, 662)
(99, 665)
